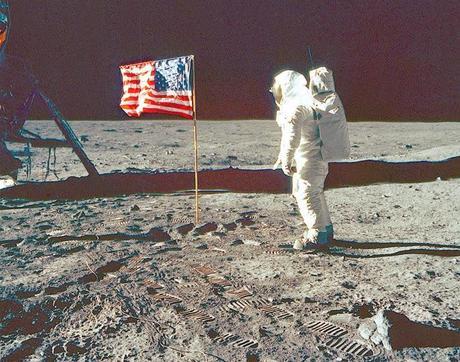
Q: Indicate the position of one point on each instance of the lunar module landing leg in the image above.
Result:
(69, 135)
(71, 140)
(18, 89)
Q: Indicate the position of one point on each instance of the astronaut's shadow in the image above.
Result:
(353, 249)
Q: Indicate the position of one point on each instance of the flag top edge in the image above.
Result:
(156, 60)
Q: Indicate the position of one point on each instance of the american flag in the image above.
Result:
(159, 86)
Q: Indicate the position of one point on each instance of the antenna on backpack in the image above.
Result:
(310, 64)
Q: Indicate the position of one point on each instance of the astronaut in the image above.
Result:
(301, 153)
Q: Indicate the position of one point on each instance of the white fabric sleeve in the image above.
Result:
(290, 138)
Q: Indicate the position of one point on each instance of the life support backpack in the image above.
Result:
(332, 121)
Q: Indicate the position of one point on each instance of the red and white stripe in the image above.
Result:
(140, 96)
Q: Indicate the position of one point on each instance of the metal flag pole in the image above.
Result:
(195, 143)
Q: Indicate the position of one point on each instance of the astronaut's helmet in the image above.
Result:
(4, 23)
(287, 84)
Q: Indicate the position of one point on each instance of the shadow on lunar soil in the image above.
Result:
(339, 248)
(156, 235)
(341, 174)
(384, 245)
(405, 333)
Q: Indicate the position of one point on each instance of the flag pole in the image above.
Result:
(195, 144)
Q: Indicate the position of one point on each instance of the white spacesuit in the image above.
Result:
(300, 142)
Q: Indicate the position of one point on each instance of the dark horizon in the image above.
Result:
(392, 61)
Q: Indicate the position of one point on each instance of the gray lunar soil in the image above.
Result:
(134, 279)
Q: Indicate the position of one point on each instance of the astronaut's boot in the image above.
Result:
(330, 233)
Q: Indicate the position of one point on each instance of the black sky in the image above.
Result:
(392, 60)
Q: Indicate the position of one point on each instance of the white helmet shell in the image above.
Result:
(287, 85)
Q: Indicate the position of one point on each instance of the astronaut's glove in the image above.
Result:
(289, 170)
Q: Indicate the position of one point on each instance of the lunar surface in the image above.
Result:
(132, 278)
